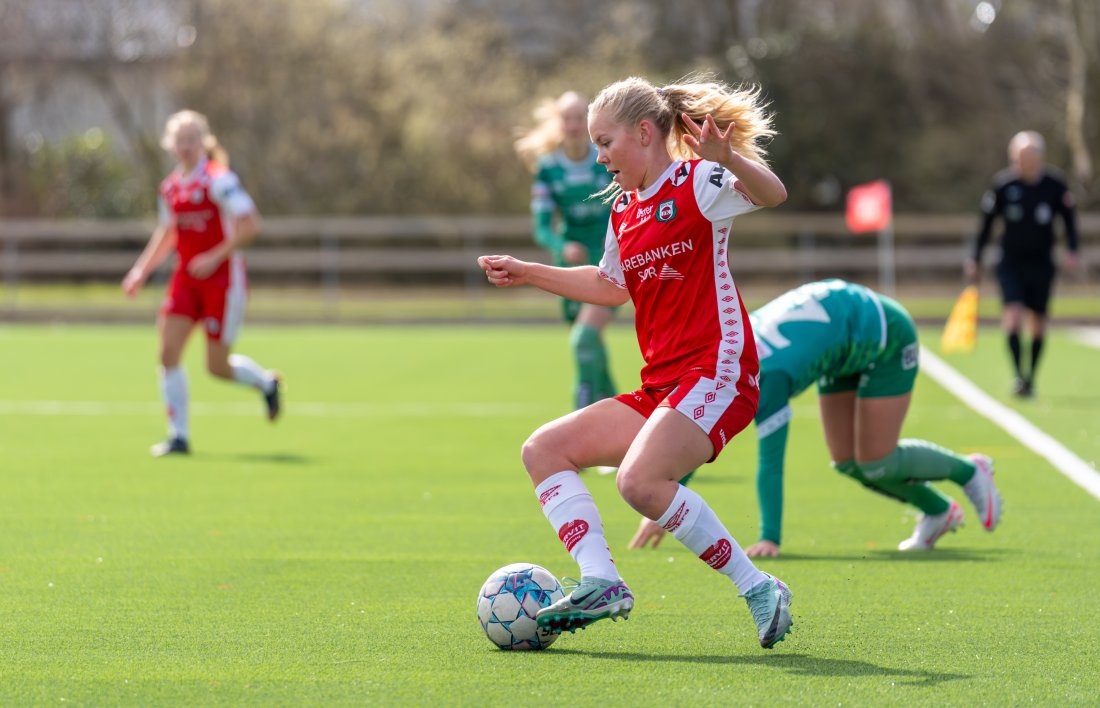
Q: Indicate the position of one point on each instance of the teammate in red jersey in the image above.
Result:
(667, 250)
(206, 217)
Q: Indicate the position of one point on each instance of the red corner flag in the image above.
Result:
(869, 207)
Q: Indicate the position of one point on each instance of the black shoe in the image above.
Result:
(1022, 388)
(273, 398)
(171, 446)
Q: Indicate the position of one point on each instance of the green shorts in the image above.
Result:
(894, 370)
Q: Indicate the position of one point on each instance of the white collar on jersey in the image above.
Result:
(644, 194)
(199, 167)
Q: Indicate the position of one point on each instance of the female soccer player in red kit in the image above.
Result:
(667, 250)
(206, 217)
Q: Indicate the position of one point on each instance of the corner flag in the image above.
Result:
(869, 207)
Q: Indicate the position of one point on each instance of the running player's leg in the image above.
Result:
(174, 329)
(597, 435)
(670, 445)
(223, 307)
(590, 355)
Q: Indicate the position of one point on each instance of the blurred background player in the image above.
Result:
(570, 222)
(206, 217)
(666, 250)
(1027, 196)
(861, 348)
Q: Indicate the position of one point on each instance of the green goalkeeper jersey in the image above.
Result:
(823, 330)
(565, 187)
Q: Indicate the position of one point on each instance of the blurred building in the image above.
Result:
(68, 67)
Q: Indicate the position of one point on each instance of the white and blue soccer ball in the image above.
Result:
(509, 601)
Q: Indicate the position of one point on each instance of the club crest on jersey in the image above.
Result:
(681, 174)
(621, 203)
(666, 210)
(196, 196)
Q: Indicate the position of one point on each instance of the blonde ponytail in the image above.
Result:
(634, 99)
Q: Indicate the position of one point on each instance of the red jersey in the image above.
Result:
(200, 205)
(668, 246)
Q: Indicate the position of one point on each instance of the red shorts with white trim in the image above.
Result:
(720, 409)
(217, 302)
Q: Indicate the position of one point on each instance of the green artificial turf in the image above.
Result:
(336, 556)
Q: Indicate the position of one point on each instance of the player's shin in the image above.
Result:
(248, 372)
(569, 507)
(693, 523)
(920, 495)
(173, 388)
(919, 460)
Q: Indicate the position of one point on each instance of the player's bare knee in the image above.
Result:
(542, 456)
(633, 488)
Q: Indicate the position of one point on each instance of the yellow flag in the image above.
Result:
(960, 334)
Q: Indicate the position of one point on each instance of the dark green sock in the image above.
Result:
(919, 494)
(919, 460)
(591, 361)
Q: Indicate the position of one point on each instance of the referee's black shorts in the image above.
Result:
(1029, 285)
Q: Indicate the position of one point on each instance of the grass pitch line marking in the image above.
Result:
(1089, 336)
(1077, 470)
(307, 409)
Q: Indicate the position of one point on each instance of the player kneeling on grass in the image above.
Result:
(206, 217)
(665, 249)
(861, 348)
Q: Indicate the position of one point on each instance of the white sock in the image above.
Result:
(695, 525)
(173, 389)
(249, 373)
(573, 514)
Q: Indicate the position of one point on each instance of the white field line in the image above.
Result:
(253, 409)
(1077, 470)
(1088, 335)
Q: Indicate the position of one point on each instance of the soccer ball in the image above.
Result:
(509, 601)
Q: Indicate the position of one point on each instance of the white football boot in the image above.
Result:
(931, 528)
(983, 492)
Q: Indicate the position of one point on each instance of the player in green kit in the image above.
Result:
(861, 349)
(571, 225)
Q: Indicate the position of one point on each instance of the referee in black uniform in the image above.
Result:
(1027, 196)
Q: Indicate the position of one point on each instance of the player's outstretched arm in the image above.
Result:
(582, 284)
(160, 246)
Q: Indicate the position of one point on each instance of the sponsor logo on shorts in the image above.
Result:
(710, 397)
(212, 325)
(677, 518)
(549, 494)
(572, 532)
(727, 298)
(718, 555)
(700, 411)
(722, 436)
